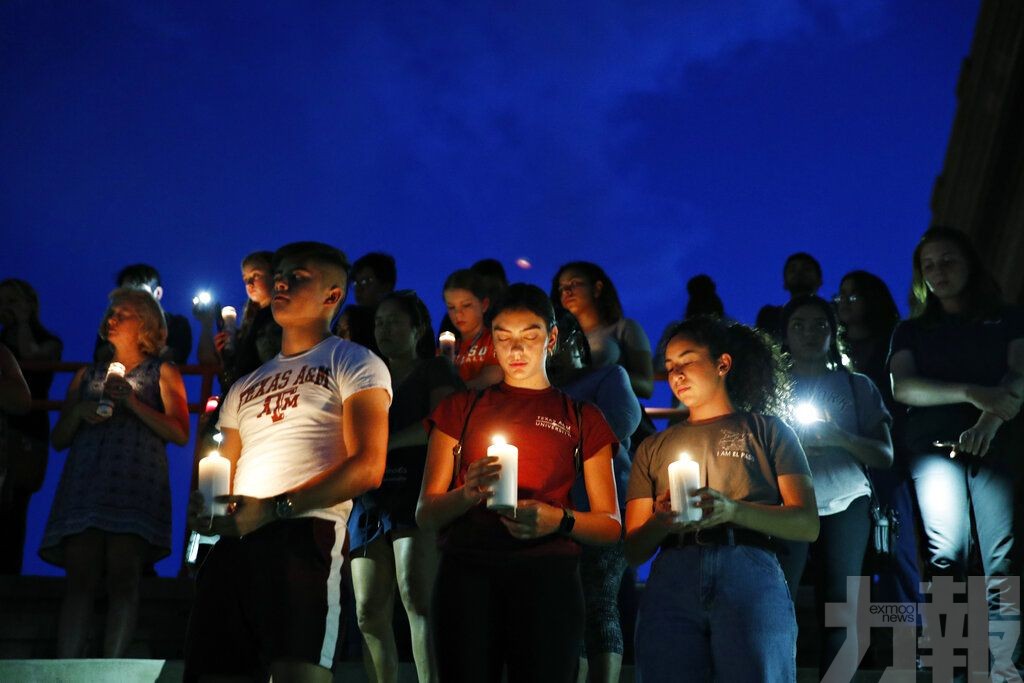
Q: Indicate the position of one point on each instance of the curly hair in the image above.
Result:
(153, 326)
(759, 379)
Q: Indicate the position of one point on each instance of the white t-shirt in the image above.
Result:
(288, 414)
(852, 401)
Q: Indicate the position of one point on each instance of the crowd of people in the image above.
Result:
(363, 437)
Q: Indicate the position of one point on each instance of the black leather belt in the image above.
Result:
(721, 535)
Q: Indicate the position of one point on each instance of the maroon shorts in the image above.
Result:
(275, 595)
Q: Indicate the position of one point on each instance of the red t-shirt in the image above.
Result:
(473, 355)
(543, 425)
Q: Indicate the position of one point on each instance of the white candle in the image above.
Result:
(106, 405)
(683, 480)
(230, 317)
(447, 343)
(506, 489)
(214, 480)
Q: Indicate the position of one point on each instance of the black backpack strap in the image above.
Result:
(457, 448)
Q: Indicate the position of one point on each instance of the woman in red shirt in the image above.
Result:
(520, 566)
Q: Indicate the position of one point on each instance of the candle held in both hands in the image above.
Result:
(683, 481)
(106, 405)
(506, 489)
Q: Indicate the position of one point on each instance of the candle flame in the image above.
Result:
(498, 440)
(684, 457)
(213, 454)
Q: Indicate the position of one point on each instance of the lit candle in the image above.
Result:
(202, 299)
(447, 343)
(506, 489)
(214, 480)
(229, 316)
(683, 480)
(106, 405)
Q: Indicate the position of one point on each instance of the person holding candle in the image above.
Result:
(112, 510)
(716, 603)
(388, 550)
(257, 338)
(519, 566)
(849, 434)
(465, 298)
(306, 433)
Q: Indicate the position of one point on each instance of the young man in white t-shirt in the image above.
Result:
(306, 433)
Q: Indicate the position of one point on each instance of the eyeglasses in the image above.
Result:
(571, 286)
(846, 298)
(121, 316)
(363, 282)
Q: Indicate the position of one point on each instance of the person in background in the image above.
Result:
(602, 568)
(465, 298)
(15, 399)
(844, 428)
(494, 283)
(388, 550)
(867, 315)
(508, 591)
(586, 291)
(26, 441)
(112, 510)
(702, 300)
(355, 323)
(716, 604)
(374, 276)
(958, 366)
(801, 276)
(258, 337)
(179, 333)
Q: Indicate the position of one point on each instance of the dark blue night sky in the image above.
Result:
(658, 139)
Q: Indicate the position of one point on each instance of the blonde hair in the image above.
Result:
(153, 327)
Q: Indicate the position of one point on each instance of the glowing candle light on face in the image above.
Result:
(683, 481)
(106, 405)
(446, 341)
(214, 480)
(506, 489)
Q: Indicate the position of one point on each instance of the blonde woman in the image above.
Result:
(112, 510)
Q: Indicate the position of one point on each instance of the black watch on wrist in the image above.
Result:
(568, 522)
(283, 508)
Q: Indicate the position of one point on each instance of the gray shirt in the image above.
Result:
(740, 454)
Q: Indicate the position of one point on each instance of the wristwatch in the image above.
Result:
(283, 508)
(568, 522)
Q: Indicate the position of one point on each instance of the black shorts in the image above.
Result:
(275, 595)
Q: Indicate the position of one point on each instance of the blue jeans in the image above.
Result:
(716, 612)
